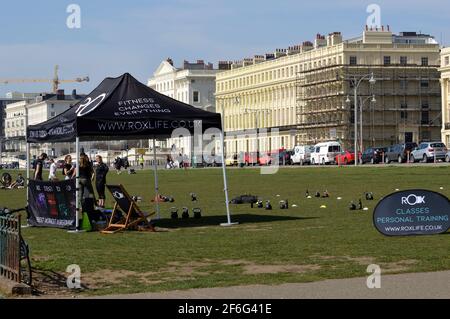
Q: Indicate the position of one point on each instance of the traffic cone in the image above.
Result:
(86, 224)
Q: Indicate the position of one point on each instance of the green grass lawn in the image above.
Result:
(303, 243)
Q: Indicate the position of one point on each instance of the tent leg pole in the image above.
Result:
(27, 163)
(155, 171)
(77, 184)
(225, 186)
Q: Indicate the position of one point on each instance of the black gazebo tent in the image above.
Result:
(123, 108)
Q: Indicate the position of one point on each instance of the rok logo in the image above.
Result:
(413, 200)
(90, 104)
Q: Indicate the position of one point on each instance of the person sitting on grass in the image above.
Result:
(19, 182)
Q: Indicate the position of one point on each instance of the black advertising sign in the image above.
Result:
(412, 212)
(52, 204)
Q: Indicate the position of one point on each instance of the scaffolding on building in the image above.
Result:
(408, 101)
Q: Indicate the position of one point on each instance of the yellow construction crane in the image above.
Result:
(55, 81)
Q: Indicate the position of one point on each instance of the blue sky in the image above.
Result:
(135, 35)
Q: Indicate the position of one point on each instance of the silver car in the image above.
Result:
(429, 151)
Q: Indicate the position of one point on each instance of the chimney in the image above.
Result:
(224, 65)
(307, 46)
(269, 56)
(320, 41)
(236, 64)
(279, 53)
(258, 59)
(293, 49)
(60, 95)
(247, 62)
(335, 38)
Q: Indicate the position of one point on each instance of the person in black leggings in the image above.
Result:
(100, 179)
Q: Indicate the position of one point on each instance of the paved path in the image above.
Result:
(415, 285)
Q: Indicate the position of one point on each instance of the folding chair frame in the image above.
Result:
(128, 221)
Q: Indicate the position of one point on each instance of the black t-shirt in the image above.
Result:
(67, 168)
(86, 172)
(100, 173)
(38, 168)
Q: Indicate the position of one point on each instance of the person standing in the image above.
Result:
(39, 166)
(141, 161)
(85, 178)
(52, 173)
(100, 179)
(118, 164)
(69, 168)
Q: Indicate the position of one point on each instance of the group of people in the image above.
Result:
(119, 163)
(182, 161)
(87, 174)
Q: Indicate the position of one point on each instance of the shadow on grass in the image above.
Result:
(49, 282)
(216, 220)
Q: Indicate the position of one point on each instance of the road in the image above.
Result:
(401, 286)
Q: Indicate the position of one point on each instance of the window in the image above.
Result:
(353, 60)
(404, 114)
(196, 97)
(192, 81)
(403, 83)
(387, 60)
(403, 60)
(425, 61)
(52, 105)
(425, 105)
(424, 83)
(425, 117)
(52, 114)
(447, 60)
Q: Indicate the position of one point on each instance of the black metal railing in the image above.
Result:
(10, 247)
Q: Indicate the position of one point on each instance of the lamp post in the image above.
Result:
(356, 82)
(361, 104)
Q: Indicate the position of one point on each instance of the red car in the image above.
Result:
(346, 157)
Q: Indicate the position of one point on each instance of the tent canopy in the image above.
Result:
(122, 108)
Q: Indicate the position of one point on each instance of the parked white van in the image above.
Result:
(302, 154)
(325, 153)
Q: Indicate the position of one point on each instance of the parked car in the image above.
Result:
(447, 157)
(373, 155)
(399, 152)
(346, 157)
(249, 158)
(302, 154)
(325, 153)
(284, 156)
(265, 158)
(428, 151)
